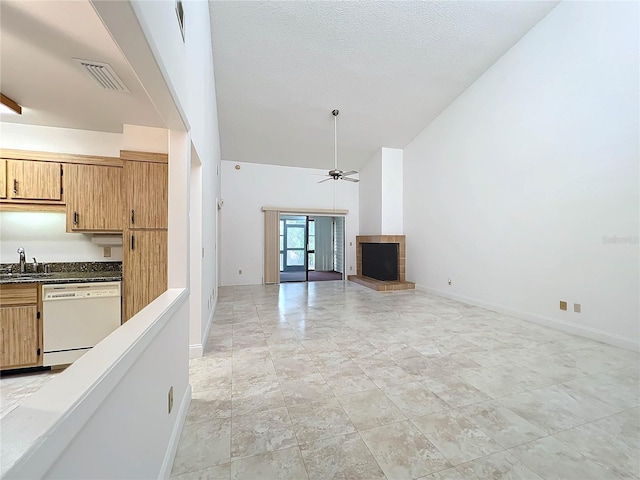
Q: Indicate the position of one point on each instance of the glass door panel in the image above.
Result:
(293, 244)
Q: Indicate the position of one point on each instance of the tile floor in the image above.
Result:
(15, 388)
(335, 381)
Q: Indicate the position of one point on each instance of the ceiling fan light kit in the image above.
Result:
(337, 174)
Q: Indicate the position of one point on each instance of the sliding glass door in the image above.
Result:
(311, 248)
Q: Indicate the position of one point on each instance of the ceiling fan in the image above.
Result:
(336, 174)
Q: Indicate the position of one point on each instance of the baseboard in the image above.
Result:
(207, 328)
(592, 333)
(196, 350)
(174, 440)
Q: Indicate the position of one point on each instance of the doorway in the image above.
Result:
(311, 248)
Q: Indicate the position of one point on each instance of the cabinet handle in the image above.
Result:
(76, 218)
(133, 242)
(15, 186)
(133, 217)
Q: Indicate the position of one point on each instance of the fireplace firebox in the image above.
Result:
(380, 261)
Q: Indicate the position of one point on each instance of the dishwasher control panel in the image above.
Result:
(80, 290)
(82, 294)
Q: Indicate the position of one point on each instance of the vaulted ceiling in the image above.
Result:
(389, 67)
(281, 68)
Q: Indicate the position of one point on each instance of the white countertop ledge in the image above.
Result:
(64, 404)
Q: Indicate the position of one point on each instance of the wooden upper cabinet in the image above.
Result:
(29, 180)
(94, 198)
(144, 269)
(147, 194)
(3, 178)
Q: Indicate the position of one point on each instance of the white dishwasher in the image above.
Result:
(76, 316)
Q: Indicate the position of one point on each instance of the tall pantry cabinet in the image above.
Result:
(145, 233)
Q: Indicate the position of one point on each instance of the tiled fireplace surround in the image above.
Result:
(379, 285)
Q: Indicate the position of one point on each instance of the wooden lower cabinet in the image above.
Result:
(20, 327)
(144, 269)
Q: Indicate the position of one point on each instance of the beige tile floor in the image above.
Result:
(335, 381)
(17, 387)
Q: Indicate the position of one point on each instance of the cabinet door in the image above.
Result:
(147, 194)
(3, 178)
(34, 180)
(145, 269)
(19, 336)
(94, 198)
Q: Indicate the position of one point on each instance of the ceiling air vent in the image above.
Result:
(103, 74)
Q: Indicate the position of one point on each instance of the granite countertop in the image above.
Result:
(69, 272)
(63, 277)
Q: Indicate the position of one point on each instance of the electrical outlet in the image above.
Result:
(106, 252)
(351, 269)
(239, 272)
(170, 405)
(577, 308)
(563, 305)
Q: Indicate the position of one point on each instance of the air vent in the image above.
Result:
(103, 74)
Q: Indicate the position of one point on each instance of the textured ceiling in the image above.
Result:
(38, 41)
(389, 67)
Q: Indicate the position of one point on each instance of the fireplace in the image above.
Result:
(383, 246)
(380, 261)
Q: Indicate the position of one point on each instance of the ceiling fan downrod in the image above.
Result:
(335, 139)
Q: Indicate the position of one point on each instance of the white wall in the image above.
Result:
(392, 192)
(381, 194)
(187, 68)
(43, 235)
(89, 422)
(253, 186)
(61, 140)
(371, 196)
(145, 139)
(514, 189)
(82, 142)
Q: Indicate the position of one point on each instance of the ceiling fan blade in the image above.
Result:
(355, 180)
(350, 172)
(326, 179)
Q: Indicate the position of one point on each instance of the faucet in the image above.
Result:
(23, 264)
(35, 265)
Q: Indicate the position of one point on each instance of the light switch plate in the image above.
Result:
(106, 252)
